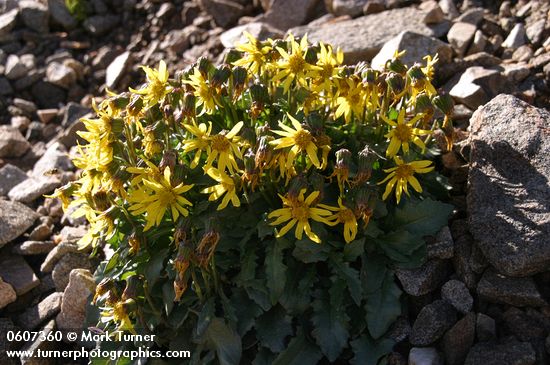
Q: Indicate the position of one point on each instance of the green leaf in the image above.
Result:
(113, 261)
(383, 306)
(354, 249)
(350, 276)
(154, 266)
(273, 327)
(373, 273)
(168, 297)
(296, 297)
(225, 341)
(422, 217)
(264, 357)
(308, 251)
(246, 311)
(400, 245)
(299, 352)
(275, 271)
(257, 291)
(205, 318)
(368, 351)
(330, 330)
(248, 266)
(264, 229)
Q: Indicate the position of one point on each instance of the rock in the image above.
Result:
(56, 157)
(61, 15)
(449, 8)
(5, 86)
(99, 25)
(60, 75)
(39, 344)
(7, 294)
(443, 246)
(360, 39)
(469, 94)
(456, 294)
(516, 38)
(15, 218)
(225, 12)
(73, 112)
(519, 292)
(485, 328)
(432, 322)
(65, 265)
(473, 16)
(424, 279)
(48, 95)
(20, 122)
(43, 311)
(35, 15)
(40, 232)
(490, 79)
(33, 188)
(27, 107)
(7, 22)
(523, 325)
(522, 54)
(56, 254)
(434, 14)
(15, 68)
(417, 47)
(47, 115)
(374, 7)
(459, 339)
(29, 79)
(516, 73)
(34, 247)
(424, 356)
(352, 8)
(72, 234)
(535, 31)
(10, 176)
(117, 68)
(509, 352)
(260, 31)
(75, 298)
(35, 131)
(16, 272)
(478, 44)
(285, 14)
(508, 180)
(460, 36)
(178, 40)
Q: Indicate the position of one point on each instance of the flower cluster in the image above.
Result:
(282, 120)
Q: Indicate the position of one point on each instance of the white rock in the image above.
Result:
(516, 37)
(460, 35)
(116, 69)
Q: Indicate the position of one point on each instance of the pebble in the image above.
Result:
(7, 294)
(456, 294)
(15, 271)
(508, 351)
(100, 25)
(10, 176)
(34, 247)
(443, 246)
(40, 233)
(516, 38)
(47, 115)
(460, 35)
(15, 219)
(75, 298)
(434, 14)
(424, 279)
(40, 343)
(70, 261)
(60, 75)
(432, 322)
(424, 356)
(520, 292)
(117, 68)
(473, 16)
(5, 86)
(43, 311)
(33, 188)
(459, 339)
(56, 157)
(61, 15)
(485, 328)
(35, 15)
(15, 68)
(7, 22)
(56, 254)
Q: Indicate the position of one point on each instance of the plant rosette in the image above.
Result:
(257, 209)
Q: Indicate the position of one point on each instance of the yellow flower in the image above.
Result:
(403, 133)
(351, 100)
(298, 211)
(205, 93)
(300, 139)
(403, 174)
(293, 65)
(255, 56)
(328, 63)
(199, 143)
(156, 87)
(226, 186)
(156, 196)
(118, 314)
(345, 216)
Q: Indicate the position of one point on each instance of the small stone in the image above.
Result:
(99, 25)
(443, 246)
(523, 325)
(352, 8)
(460, 35)
(516, 38)
(424, 356)
(434, 14)
(40, 233)
(29, 79)
(65, 265)
(516, 73)
(71, 234)
(33, 188)
(5, 86)
(15, 68)
(374, 6)
(117, 69)
(449, 8)
(260, 31)
(48, 95)
(56, 158)
(509, 351)
(60, 75)
(15, 271)
(178, 40)
(424, 279)
(485, 328)
(34, 247)
(73, 112)
(7, 22)
(456, 294)
(166, 10)
(43, 311)
(47, 115)
(535, 31)
(10, 176)
(7, 294)
(473, 16)
(56, 254)
(35, 15)
(15, 219)
(225, 12)
(20, 122)
(75, 298)
(459, 339)
(39, 344)
(61, 15)
(432, 322)
(27, 107)
(469, 94)
(478, 44)
(35, 131)
(519, 292)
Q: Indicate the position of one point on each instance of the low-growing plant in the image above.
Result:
(77, 8)
(257, 209)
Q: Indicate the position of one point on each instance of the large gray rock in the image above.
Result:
(361, 38)
(10, 176)
(260, 31)
(75, 297)
(284, 14)
(225, 12)
(509, 179)
(460, 36)
(417, 46)
(509, 352)
(459, 339)
(16, 272)
(15, 219)
(497, 288)
(33, 188)
(35, 15)
(55, 157)
(117, 68)
(424, 279)
(432, 322)
(63, 268)
(12, 142)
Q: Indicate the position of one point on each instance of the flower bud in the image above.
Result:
(264, 152)
(343, 158)
(189, 103)
(249, 161)
(259, 94)
(220, 76)
(207, 246)
(204, 66)
(415, 73)
(169, 159)
(297, 183)
(364, 170)
(395, 82)
(101, 201)
(311, 54)
(130, 291)
(232, 56)
(423, 103)
(444, 103)
(369, 76)
(397, 66)
(135, 106)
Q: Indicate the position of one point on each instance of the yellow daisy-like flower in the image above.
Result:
(403, 174)
(226, 186)
(328, 63)
(199, 143)
(157, 84)
(255, 54)
(300, 139)
(156, 196)
(297, 212)
(403, 133)
(345, 216)
(351, 100)
(206, 94)
(293, 66)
